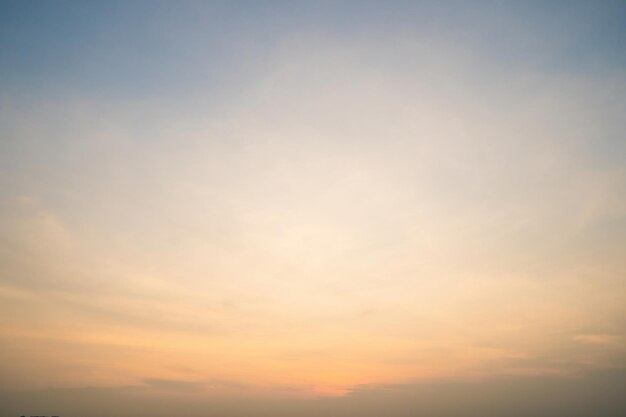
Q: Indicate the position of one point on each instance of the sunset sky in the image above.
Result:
(314, 204)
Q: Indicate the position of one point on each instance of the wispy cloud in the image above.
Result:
(345, 208)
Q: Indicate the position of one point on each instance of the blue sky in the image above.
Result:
(142, 48)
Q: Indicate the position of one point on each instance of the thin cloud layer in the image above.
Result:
(349, 209)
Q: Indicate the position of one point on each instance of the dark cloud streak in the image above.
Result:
(596, 393)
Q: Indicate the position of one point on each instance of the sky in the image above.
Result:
(312, 208)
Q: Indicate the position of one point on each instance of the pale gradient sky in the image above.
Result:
(256, 199)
